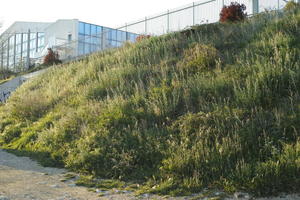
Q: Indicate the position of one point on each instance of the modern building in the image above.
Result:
(26, 43)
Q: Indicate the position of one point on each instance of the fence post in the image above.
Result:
(193, 13)
(145, 25)
(7, 57)
(28, 50)
(15, 39)
(2, 54)
(255, 6)
(168, 25)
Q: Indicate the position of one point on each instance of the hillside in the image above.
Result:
(215, 106)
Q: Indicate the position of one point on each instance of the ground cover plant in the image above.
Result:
(215, 106)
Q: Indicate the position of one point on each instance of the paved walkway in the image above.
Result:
(10, 86)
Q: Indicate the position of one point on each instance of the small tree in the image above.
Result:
(51, 58)
(233, 13)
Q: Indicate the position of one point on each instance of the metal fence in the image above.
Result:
(201, 12)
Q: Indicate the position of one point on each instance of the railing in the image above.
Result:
(201, 12)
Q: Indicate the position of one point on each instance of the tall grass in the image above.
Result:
(214, 106)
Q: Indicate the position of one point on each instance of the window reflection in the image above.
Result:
(91, 37)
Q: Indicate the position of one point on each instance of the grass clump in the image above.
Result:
(199, 58)
(217, 106)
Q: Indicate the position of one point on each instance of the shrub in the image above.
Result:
(291, 5)
(198, 58)
(6, 73)
(233, 13)
(51, 58)
(142, 37)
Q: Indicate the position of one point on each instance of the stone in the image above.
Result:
(4, 198)
(241, 195)
(54, 186)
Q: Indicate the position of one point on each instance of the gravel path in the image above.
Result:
(23, 179)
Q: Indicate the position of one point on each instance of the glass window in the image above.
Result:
(12, 41)
(95, 40)
(18, 48)
(41, 41)
(18, 57)
(24, 54)
(40, 48)
(41, 34)
(86, 48)
(25, 37)
(114, 43)
(32, 35)
(132, 37)
(93, 48)
(81, 48)
(123, 38)
(24, 46)
(107, 31)
(11, 60)
(81, 38)
(69, 37)
(119, 35)
(32, 53)
(119, 44)
(81, 27)
(87, 29)
(93, 30)
(32, 44)
(87, 39)
(18, 38)
(99, 30)
(114, 34)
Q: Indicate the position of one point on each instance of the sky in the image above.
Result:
(111, 13)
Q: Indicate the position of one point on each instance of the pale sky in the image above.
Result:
(111, 13)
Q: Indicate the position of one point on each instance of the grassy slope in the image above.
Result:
(215, 106)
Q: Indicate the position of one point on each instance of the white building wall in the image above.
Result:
(57, 35)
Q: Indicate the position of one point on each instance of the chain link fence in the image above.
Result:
(201, 12)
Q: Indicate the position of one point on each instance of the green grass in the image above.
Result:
(216, 106)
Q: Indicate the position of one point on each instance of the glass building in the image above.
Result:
(93, 38)
(26, 43)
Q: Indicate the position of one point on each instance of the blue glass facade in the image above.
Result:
(15, 49)
(93, 38)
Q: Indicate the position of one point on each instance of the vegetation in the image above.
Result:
(6, 74)
(291, 5)
(51, 58)
(233, 13)
(142, 37)
(214, 106)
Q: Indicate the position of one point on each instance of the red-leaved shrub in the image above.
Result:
(233, 13)
(142, 37)
(51, 58)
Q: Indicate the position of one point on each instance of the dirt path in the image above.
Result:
(21, 178)
(24, 179)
